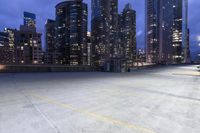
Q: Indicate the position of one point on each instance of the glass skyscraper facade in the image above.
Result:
(114, 29)
(177, 31)
(164, 31)
(30, 19)
(4, 48)
(152, 30)
(186, 33)
(127, 34)
(50, 35)
(101, 31)
(71, 32)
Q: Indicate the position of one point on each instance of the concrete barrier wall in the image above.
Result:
(40, 68)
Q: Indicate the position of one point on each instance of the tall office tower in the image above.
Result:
(101, 32)
(164, 31)
(177, 31)
(49, 55)
(187, 48)
(127, 24)
(50, 35)
(28, 49)
(186, 33)
(28, 42)
(12, 45)
(71, 32)
(30, 19)
(114, 49)
(152, 30)
(89, 48)
(4, 48)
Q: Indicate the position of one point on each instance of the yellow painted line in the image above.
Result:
(95, 115)
(187, 74)
(117, 92)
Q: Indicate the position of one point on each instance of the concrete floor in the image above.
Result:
(161, 100)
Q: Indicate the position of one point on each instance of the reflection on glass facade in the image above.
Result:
(71, 32)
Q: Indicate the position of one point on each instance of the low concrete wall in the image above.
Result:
(44, 68)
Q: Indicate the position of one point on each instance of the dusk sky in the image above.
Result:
(11, 15)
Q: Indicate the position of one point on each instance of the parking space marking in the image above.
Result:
(95, 115)
(187, 73)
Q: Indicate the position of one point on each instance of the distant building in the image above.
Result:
(28, 46)
(186, 33)
(114, 29)
(164, 31)
(101, 32)
(71, 32)
(177, 31)
(127, 26)
(29, 19)
(4, 48)
(50, 42)
(12, 45)
(89, 48)
(50, 35)
(23, 46)
(28, 43)
(152, 30)
(187, 53)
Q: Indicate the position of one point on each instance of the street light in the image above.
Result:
(2, 67)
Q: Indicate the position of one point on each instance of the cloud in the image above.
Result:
(139, 33)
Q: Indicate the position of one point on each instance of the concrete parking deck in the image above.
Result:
(156, 100)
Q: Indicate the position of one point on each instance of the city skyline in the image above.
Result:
(99, 66)
(47, 11)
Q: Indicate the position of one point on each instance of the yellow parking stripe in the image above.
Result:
(95, 115)
(187, 73)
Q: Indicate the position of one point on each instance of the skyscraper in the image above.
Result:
(114, 49)
(50, 35)
(177, 31)
(166, 20)
(71, 32)
(28, 42)
(49, 55)
(101, 32)
(164, 31)
(127, 26)
(4, 48)
(186, 33)
(89, 48)
(30, 19)
(152, 30)
(29, 46)
(12, 45)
